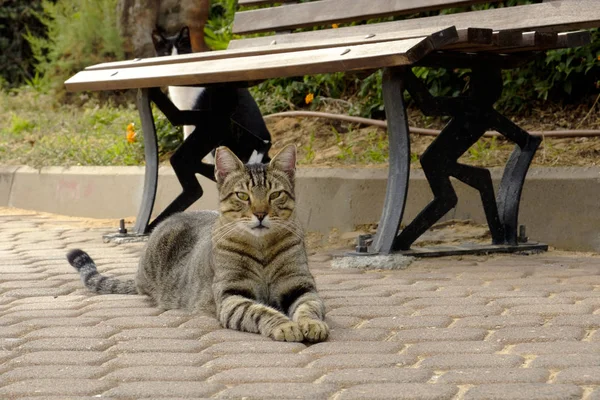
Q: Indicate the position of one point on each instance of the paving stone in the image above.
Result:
(165, 389)
(61, 358)
(338, 361)
(561, 361)
(439, 334)
(551, 310)
(144, 322)
(595, 395)
(160, 373)
(520, 301)
(326, 348)
(251, 391)
(556, 348)
(158, 345)
(157, 333)
(406, 322)
(580, 375)
(465, 347)
(229, 335)
(499, 321)
(537, 334)
(72, 332)
(254, 347)
(335, 321)
(524, 391)
(120, 312)
(36, 292)
(229, 361)
(442, 293)
(481, 376)
(362, 334)
(363, 301)
(75, 344)
(157, 359)
(371, 311)
(356, 376)
(456, 361)
(54, 372)
(408, 391)
(499, 294)
(450, 302)
(63, 387)
(461, 311)
(66, 322)
(238, 376)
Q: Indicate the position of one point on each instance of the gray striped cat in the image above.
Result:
(246, 264)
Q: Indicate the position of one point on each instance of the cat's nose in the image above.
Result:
(260, 215)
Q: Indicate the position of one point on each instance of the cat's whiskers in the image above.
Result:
(290, 226)
(224, 231)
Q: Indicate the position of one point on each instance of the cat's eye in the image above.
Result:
(275, 195)
(242, 196)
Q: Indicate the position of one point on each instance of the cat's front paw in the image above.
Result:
(287, 332)
(314, 330)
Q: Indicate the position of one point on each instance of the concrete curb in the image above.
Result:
(560, 206)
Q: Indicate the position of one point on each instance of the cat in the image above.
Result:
(253, 139)
(246, 264)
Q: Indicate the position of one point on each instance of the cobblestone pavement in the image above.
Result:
(504, 327)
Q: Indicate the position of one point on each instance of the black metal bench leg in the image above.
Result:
(399, 161)
(511, 185)
(151, 156)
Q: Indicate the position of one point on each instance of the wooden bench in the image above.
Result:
(483, 41)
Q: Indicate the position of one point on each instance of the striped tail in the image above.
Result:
(93, 280)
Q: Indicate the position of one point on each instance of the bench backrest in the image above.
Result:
(327, 12)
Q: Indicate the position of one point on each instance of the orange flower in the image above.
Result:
(131, 133)
(309, 98)
(335, 26)
(598, 57)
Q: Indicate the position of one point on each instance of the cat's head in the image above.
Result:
(166, 45)
(259, 197)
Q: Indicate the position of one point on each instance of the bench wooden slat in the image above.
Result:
(439, 39)
(559, 16)
(256, 68)
(326, 12)
(246, 3)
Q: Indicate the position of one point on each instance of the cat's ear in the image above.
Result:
(225, 163)
(184, 33)
(157, 37)
(285, 160)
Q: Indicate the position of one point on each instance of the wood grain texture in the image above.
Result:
(326, 12)
(439, 39)
(255, 68)
(558, 16)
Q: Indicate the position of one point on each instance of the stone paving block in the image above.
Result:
(98, 332)
(197, 321)
(55, 322)
(559, 287)
(362, 334)
(371, 311)
(461, 311)
(443, 293)
(408, 322)
(481, 376)
(355, 376)
(326, 348)
(63, 387)
(153, 389)
(238, 376)
(158, 359)
(530, 301)
(37, 292)
(12, 331)
(250, 391)
(580, 375)
(135, 302)
(158, 333)
(363, 301)
(595, 395)
(160, 373)
(74, 344)
(537, 334)
(561, 361)
(229, 361)
(493, 322)
(556, 348)
(499, 294)
(43, 314)
(54, 372)
(229, 335)
(47, 305)
(450, 302)
(551, 310)
(338, 321)
(332, 294)
(400, 391)
(579, 295)
(524, 391)
(10, 343)
(60, 358)
(144, 322)
(158, 345)
(465, 347)
(339, 361)
(121, 312)
(254, 347)
(439, 334)
(456, 361)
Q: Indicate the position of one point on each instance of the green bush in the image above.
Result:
(79, 33)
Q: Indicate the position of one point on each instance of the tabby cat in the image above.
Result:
(246, 264)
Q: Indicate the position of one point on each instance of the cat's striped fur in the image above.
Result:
(246, 264)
